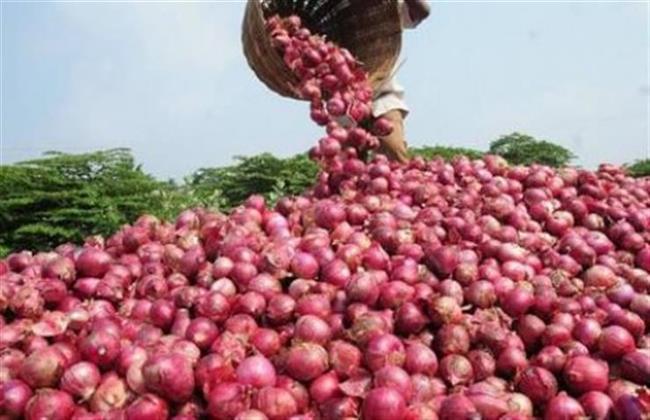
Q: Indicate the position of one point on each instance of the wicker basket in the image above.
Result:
(375, 42)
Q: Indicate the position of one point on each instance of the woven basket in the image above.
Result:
(375, 41)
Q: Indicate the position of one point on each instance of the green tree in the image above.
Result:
(447, 153)
(64, 197)
(522, 149)
(264, 174)
(640, 168)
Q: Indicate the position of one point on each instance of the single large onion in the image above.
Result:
(80, 380)
(49, 404)
(169, 375)
(583, 374)
(383, 404)
(256, 371)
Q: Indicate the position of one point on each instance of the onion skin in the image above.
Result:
(49, 404)
(256, 371)
(147, 406)
(538, 384)
(635, 366)
(43, 368)
(14, 395)
(80, 380)
(583, 374)
(383, 404)
(563, 407)
(597, 405)
(170, 376)
(457, 406)
(276, 403)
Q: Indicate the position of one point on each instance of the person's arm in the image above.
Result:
(418, 10)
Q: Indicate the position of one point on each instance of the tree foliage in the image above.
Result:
(264, 174)
(522, 149)
(640, 168)
(63, 197)
(445, 152)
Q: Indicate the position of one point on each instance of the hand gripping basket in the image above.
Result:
(370, 29)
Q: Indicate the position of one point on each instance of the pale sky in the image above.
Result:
(170, 81)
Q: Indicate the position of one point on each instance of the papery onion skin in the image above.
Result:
(563, 407)
(149, 407)
(171, 376)
(49, 404)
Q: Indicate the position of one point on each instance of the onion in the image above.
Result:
(310, 328)
(384, 349)
(306, 361)
(456, 370)
(49, 404)
(100, 348)
(615, 342)
(483, 364)
(583, 374)
(256, 371)
(563, 407)
(538, 384)
(93, 262)
(383, 404)
(635, 366)
(344, 358)
(14, 395)
(457, 406)
(170, 376)
(597, 405)
(80, 380)
(511, 361)
(276, 403)
(452, 338)
(396, 378)
(227, 400)
(202, 332)
(325, 387)
(420, 359)
(147, 406)
(43, 368)
(111, 394)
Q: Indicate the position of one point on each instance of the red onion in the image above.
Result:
(276, 403)
(43, 368)
(456, 370)
(202, 332)
(483, 364)
(251, 415)
(588, 332)
(147, 406)
(306, 361)
(111, 394)
(635, 366)
(511, 361)
(310, 328)
(266, 341)
(420, 359)
(583, 374)
(170, 376)
(563, 407)
(49, 404)
(325, 387)
(615, 342)
(344, 358)
(100, 348)
(452, 338)
(227, 400)
(383, 404)
(256, 371)
(80, 380)
(597, 405)
(384, 349)
(14, 395)
(93, 262)
(457, 406)
(538, 384)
